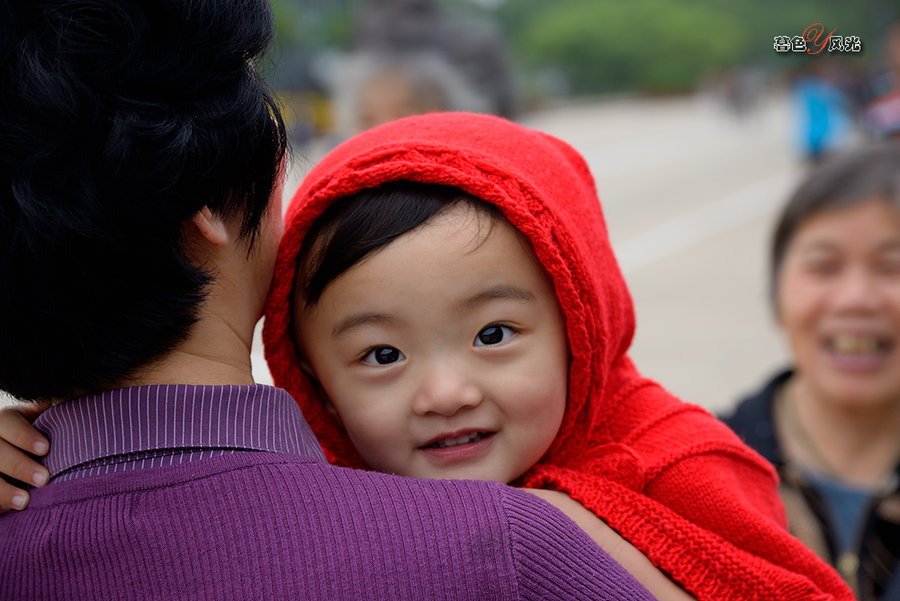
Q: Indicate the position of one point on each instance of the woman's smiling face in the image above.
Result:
(838, 301)
(443, 353)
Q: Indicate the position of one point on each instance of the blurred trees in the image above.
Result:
(598, 46)
(659, 45)
(639, 44)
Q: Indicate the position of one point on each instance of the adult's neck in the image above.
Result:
(217, 350)
(216, 353)
(859, 444)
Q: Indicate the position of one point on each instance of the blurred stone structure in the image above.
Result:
(410, 57)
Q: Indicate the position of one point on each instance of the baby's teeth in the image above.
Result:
(452, 442)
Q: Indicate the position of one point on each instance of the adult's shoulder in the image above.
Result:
(326, 531)
(522, 540)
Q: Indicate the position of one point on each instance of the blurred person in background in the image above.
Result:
(824, 112)
(882, 115)
(384, 87)
(410, 57)
(831, 422)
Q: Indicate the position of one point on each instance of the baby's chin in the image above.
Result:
(479, 475)
(466, 472)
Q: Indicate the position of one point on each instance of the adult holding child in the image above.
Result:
(831, 423)
(140, 165)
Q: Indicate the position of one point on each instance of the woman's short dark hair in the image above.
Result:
(841, 181)
(120, 119)
(356, 226)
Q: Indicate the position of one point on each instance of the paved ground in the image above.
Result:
(690, 194)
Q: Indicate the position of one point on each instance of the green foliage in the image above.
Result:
(659, 45)
(312, 25)
(638, 44)
(287, 21)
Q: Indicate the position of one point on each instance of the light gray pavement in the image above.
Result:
(690, 194)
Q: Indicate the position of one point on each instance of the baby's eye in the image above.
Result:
(494, 334)
(383, 355)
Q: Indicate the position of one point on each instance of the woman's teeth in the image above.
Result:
(848, 344)
(465, 439)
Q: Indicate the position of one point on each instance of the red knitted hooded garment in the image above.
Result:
(663, 473)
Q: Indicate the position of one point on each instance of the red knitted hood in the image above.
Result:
(545, 190)
(665, 474)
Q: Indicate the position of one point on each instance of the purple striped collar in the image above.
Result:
(163, 425)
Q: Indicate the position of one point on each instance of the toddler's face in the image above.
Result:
(444, 353)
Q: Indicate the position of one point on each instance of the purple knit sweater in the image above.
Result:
(272, 524)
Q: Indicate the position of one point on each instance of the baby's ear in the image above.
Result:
(307, 369)
(332, 411)
(329, 406)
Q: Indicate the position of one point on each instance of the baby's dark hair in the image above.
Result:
(356, 226)
(841, 181)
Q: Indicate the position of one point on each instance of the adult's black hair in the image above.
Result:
(356, 226)
(841, 181)
(119, 119)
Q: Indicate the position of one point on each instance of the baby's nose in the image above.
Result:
(445, 390)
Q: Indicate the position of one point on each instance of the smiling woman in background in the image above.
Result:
(831, 424)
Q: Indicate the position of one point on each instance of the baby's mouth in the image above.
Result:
(455, 441)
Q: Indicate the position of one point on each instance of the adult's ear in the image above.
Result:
(211, 227)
